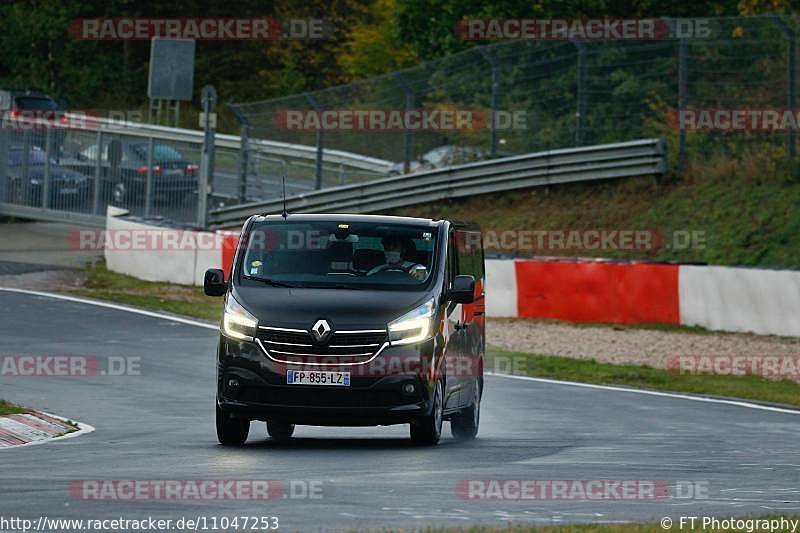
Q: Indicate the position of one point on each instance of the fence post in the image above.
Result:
(26, 159)
(683, 100)
(791, 38)
(244, 160)
(408, 136)
(492, 60)
(209, 100)
(48, 147)
(244, 150)
(148, 185)
(580, 95)
(3, 165)
(97, 174)
(320, 143)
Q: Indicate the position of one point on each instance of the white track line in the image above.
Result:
(118, 307)
(704, 399)
(612, 388)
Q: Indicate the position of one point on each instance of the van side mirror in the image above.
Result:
(214, 282)
(463, 290)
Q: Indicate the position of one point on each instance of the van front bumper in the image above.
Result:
(251, 385)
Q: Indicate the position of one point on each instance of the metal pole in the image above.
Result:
(683, 98)
(244, 150)
(580, 79)
(492, 60)
(408, 136)
(320, 144)
(26, 149)
(791, 91)
(209, 99)
(97, 175)
(48, 147)
(148, 186)
(244, 155)
(3, 164)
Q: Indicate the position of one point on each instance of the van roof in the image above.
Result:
(349, 217)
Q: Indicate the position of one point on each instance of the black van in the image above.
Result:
(351, 320)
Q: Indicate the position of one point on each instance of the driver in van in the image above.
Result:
(393, 248)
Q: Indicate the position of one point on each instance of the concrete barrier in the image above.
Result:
(592, 290)
(741, 299)
(175, 255)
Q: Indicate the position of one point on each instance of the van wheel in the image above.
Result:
(231, 431)
(428, 430)
(280, 431)
(464, 426)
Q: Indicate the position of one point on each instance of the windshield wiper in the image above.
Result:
(272, 282)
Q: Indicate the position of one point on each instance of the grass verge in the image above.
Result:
(8, 408)
(103, 284)
(590, 371)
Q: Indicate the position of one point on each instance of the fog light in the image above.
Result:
(233, 385)
(409, 388)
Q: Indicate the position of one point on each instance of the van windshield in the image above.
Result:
(342, 255)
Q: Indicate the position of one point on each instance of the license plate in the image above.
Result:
(318, 377)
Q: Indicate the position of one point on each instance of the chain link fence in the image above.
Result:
(564, 93)
(74, 167)
(570, 93)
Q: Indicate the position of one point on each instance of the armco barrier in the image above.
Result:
(644, 157)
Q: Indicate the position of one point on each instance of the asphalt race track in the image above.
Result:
(160, 425)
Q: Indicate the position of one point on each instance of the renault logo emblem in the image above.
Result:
(321, 330)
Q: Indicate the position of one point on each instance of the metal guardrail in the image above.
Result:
(69, 170)
(269, 148)
(608, 161)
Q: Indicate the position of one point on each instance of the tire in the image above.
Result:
(428, 430)
(280, 431)
(464, 426)
(231, 431)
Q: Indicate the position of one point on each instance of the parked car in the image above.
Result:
(351, 320)
(25, 183)
(124, 168)
(442, 157)
(15, 103)
(16, 100)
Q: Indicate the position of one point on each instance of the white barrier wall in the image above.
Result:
(501, 288)
(740, 299)
(184, 259)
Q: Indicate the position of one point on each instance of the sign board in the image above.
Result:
(212, 120)
(171, 69)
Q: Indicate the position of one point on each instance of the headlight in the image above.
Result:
(237, 322)
(414, 326)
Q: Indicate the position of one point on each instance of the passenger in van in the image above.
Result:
(395, 248)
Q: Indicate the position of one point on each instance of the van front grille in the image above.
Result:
(287, 345)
